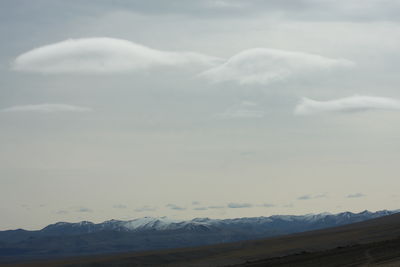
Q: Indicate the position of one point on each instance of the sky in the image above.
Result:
(211, 108)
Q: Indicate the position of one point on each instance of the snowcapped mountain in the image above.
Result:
(308, 222)
(149, 233)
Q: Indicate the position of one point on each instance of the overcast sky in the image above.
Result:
(215, 108)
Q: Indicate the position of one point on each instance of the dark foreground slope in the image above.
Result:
(368, 242)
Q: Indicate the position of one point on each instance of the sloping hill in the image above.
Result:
(364, 237)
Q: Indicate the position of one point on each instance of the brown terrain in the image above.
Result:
(370, 243)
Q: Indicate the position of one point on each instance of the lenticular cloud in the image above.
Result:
(47, 108)
(102, 55)
(264, 66)
(349, 104)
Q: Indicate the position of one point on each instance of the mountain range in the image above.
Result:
(71, 239)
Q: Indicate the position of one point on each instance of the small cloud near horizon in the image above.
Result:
(145, 208)
(175, 207)
(239, 205)
(84, 209)
(119, 206)
(356, 195)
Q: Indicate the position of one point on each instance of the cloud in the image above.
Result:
(216, 207)
(119, 206)
(266, 205)
(356, 195)
(305, 197)
(265, 66)
(61, 212)
(102, 55)
(174, 207)
(239, 205)
(308, 197)
(145, 208)
(83, 209)
(200, 208)
(47, 108)
(195, 203)
(245, 109)
(349, 104)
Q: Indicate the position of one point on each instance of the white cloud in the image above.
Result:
(102, 55)
(265, 66)
(47, 108)
(349, 104)
(245, 109)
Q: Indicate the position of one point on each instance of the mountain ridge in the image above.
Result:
(84, 238)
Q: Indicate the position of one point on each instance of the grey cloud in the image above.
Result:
(200, 208)
(216, 207)
(308, 197)
(175, 207)
(356, 195)
(195, 203)
(119, 206)
(84, 209)
(145, 208)
(239, 205)
(267, 205)
(61, 212)
(349, 104)
(305, 197)
(46, 108)
(351, 10)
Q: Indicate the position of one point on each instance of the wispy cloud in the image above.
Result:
(264, 66)
(239, 205)
(305, 197)
(47, 108)
(120, 206)
(145, 208)
(216, 207)
(84, 209)
(61, 212)
(308, 196)
(175, 207)
(200, 208)
(349, 104)
(245, 109)
(102, 55)
(266, 205)
(356, 195)
(194, 203)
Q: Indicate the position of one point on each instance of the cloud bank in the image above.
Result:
(265, 66)
(102, 55)
(349, 104)
(47, 108)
